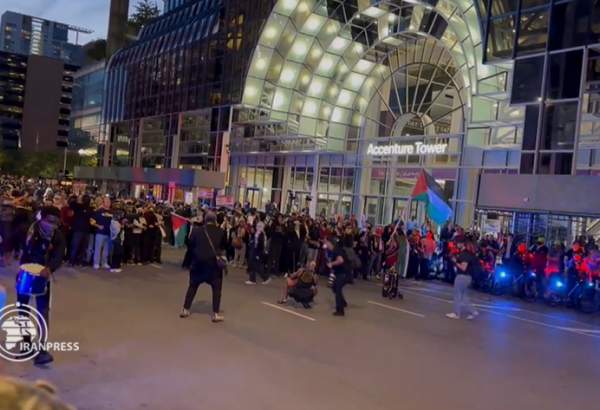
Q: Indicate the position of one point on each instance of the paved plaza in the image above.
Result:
(137, 354)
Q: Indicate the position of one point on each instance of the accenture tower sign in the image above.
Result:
(418, 148)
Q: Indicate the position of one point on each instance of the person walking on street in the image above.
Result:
(207, 246)
(466, 265)
(338, 263)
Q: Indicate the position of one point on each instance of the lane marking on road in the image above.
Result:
(154, 265)
(477, 303)
(585, 332)
(506, 308)
(291, 312)
(397, 309)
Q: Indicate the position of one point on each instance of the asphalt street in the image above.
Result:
(136, 353)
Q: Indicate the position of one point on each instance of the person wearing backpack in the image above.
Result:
(207, 249)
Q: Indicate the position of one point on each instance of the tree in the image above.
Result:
(145, 11)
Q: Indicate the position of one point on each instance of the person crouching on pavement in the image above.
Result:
(301, 285)
(206, 246)
(45, 246)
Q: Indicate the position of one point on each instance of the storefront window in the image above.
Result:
(323, 180)
(336, 180)
(377, 182)
(348, 181)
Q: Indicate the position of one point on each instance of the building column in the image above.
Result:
(313, 188)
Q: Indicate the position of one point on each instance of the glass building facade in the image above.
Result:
(336, 105)
(86, 108)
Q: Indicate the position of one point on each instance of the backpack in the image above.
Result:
(352, 258)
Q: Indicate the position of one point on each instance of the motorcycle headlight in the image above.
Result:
(559, 284)
(591, 284)
(502, 274)
(532, 274)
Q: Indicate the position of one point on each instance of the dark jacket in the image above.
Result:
(81, 218)
(201, 252)
(49, 253)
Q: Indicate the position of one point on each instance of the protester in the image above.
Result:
(466, 263)
(257, 258)
(101, 222)
(301, 285)
(339, 265)
(46, 247)
(207, 247)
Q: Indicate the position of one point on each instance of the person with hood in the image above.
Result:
(46, 247)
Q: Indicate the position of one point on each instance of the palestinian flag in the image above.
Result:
(180, 229)
(428, 191)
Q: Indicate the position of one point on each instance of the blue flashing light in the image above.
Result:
(591, 284)
(502, 274)
(559, 284)
(532, 274)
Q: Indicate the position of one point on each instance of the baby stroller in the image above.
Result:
(391, 280)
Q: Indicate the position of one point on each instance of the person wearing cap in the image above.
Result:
(207, 246)
(45, 246)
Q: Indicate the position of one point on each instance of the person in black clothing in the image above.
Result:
(276, 244)
(340, 265)
(256, 260)
(80, 228)
(467, 265)
(149, 236)
(45, 246)
(206, 246)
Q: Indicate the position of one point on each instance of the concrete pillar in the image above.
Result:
(117, 26)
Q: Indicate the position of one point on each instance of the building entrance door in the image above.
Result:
(373, 209)
(399, 210)
(253, 196)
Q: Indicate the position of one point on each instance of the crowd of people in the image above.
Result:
(47, 224)
(98, 231)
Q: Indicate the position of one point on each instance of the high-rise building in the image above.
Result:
(336, 105)
(24, 34)
(35, 101)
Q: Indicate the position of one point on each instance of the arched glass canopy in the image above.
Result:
(321, 65)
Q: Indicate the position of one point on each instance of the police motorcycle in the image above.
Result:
(524, 278)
